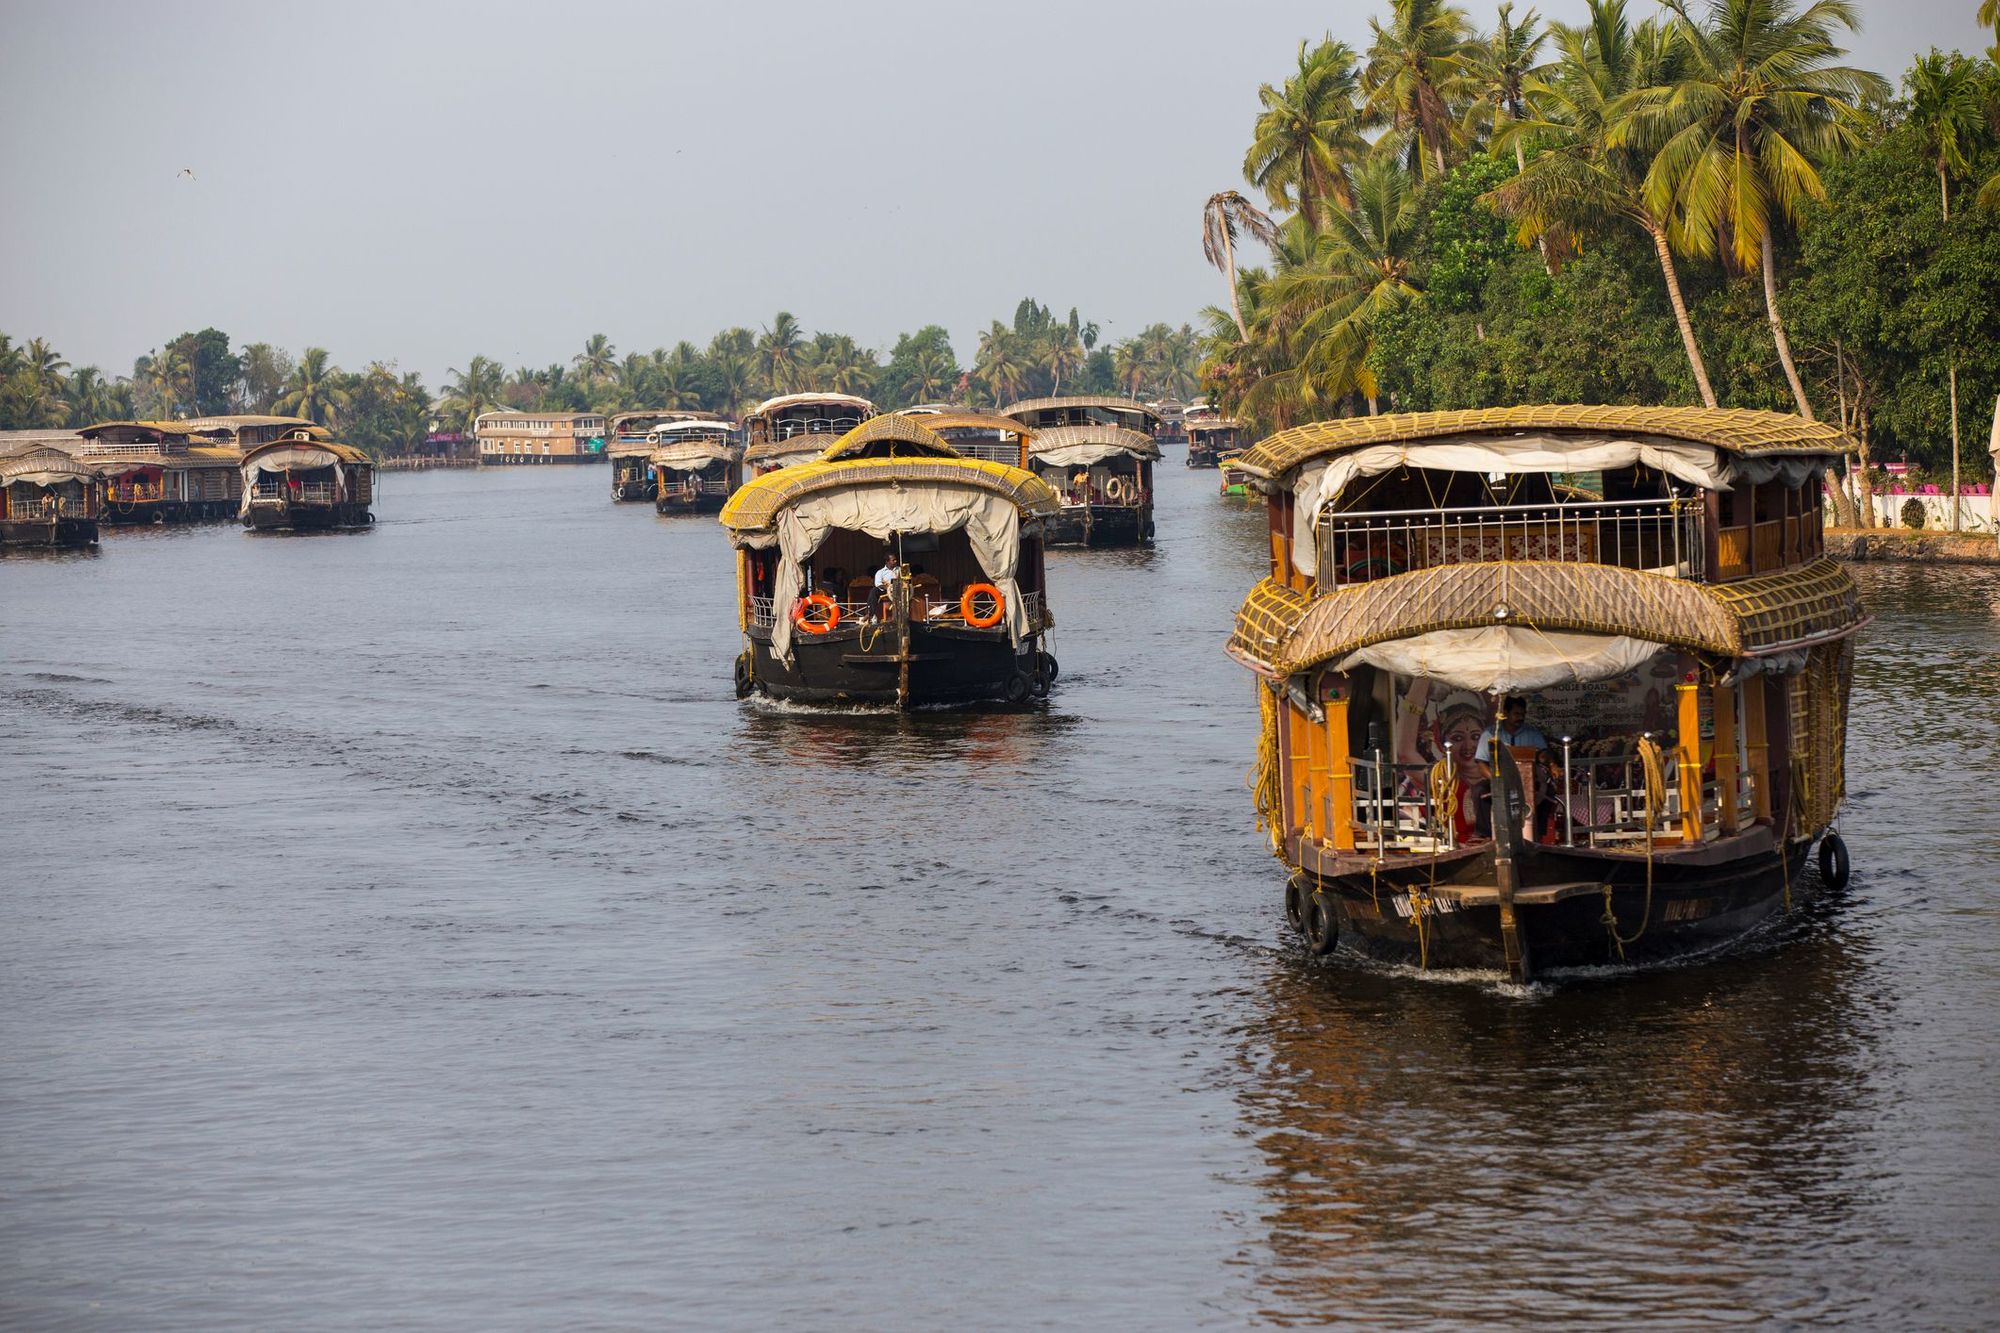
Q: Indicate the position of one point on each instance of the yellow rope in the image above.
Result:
(1653, 771)
(1262, 778)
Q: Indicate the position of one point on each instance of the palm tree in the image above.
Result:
(780, 353)
(1741, 133)
(1309, 131)
(1416, 70)
(45, 383)
(1945, 108)
(1502, 71)
(999, 366)
(734, 378)
(90, 398)
(167, 380)
(1579, 181)
(1223, 216)
(314, 391)
(598, 360)
(475, 390)
(1061, 355)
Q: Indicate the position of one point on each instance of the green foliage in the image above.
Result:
(1466, 238)
(213, 372)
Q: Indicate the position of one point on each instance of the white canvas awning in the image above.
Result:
(296, 458)
(1506, 658)
(992, 524)
(1319, 484)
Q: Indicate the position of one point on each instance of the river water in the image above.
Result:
(409, 929)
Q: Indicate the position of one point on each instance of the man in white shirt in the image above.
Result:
(887, 574)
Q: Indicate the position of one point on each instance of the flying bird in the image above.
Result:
(185, 171)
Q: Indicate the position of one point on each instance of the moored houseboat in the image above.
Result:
(1097, 453)
(957, 617)
(48, 498)
(628, 444)
(1545, 687)
(795, 427)
(695, 463)
(304, 482)
(167, 471)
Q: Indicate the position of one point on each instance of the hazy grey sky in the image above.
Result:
(422, 182)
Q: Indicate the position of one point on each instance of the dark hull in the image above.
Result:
(861, 665)
(634, 490)
(1100, 525)
(307, 518)
(168, 511)
(1700, 901)
(1203, 456)
(680, 504)
(48, 532)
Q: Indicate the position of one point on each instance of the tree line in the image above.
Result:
(391, 412)
(1687, 208)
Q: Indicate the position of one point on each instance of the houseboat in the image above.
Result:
(628, 444)
(996, 439)
(1547, 687)
(1097, 453)
(167, 471)
(695, 464)
(796, 427)
(303, 481)
(48, 498)
(1213, 440)
(891, 570)
(242, 431)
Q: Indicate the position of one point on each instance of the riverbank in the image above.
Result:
(1912, 546)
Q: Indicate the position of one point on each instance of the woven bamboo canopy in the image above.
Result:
(346, 453)
(1815, 603)
(1134, 442)
(756, 505)
(232, 424)
(900, 436)
(1106, 401)
(785, 400)
(940, 422)
(45, 466)
(1735, 430)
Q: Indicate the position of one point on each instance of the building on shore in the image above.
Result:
(508, 437)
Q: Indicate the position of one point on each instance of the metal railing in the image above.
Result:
(936, 609)
(48, 506)
(311, 493)
(785, 430)
(1659, 535)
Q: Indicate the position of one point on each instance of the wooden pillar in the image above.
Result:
(1689, 692)
(1725, 755)
(1340, 772)
(1757, 749)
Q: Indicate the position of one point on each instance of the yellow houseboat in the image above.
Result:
(695, 463)
(892, 570)
(303, 482)
(795, 427)
(1548, 686)
(1097, 453)
(48, 498)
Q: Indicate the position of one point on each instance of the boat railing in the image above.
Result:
(134, 493)
(763, 614)
(991, 451)
(790, 429)
(1661, 536)
(1393, 809)
(49, 506)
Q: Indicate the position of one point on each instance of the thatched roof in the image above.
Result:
(189, 460)
(205, 425)
(44, 466)
(1134, 442)
(1107, 401)
(1771, 613)
(940, 422)
(1736, 430)
(785, 400)
(1213, 423)
(756, 504)
(346, 453)
(903, 436)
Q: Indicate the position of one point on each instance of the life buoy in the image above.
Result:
(1116, 488)
(802, 613)
(970, 600)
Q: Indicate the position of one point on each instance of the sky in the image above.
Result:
(419, 182)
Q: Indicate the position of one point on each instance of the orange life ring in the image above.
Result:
(965, 605)
(802, 613)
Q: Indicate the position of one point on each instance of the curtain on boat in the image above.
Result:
(992, 524)
(1504, 658)
(1083, 455)
(1319, 484)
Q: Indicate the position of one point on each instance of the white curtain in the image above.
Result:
(1081, 455)
(1503, 658)
(992, 525)
(1320, 483)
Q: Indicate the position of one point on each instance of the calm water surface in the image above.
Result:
(408, 929)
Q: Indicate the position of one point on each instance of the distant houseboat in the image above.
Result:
(794, 427)
(1548, 686)
(1214, 440)
(959, 620)
(1098, 455)
(304, 482)
(695, 464)
(168, 471)
(48, 498)
(628, 444)
(986, 435)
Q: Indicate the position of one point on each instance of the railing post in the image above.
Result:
(1569, 796)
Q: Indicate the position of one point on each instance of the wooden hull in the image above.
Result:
(679, 503)
(48, 532)
(1100, 525)
(863, 665)
(307, 518)
(634, 490)
(1699, 901)
(167, 511)
(1201, 455)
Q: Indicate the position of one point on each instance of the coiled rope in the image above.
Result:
(1653, 772)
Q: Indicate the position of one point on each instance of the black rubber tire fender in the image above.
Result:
(1295, 906)
(1322, 930)
(1833, 863)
